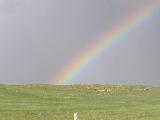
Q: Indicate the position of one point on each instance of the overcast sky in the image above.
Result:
(39, 38)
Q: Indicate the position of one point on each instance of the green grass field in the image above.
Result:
(92, 102)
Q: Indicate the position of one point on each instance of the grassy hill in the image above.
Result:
(92, 102)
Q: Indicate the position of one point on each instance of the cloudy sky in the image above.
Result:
(39, 38)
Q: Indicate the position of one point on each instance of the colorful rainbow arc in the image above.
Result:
(104, 43)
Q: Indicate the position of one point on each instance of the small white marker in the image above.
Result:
(76, 116)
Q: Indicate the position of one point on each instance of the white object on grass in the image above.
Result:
(76, 116)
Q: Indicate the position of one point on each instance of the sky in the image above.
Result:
(39, 38)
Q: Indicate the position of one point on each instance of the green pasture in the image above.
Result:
(92, 102)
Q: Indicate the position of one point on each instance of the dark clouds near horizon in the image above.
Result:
(39, 38)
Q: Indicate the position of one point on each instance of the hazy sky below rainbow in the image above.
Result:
(39, 38)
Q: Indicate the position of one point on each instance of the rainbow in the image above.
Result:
(105, 42)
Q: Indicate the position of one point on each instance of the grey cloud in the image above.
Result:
(9, 6)
(43, 36)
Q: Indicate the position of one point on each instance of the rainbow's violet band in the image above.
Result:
(125, 27)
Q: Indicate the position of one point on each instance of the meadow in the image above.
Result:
(92, 102)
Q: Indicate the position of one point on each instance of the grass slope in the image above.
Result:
(92, 102)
